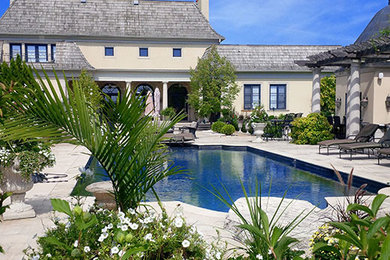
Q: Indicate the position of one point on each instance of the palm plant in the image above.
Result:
(124, 140)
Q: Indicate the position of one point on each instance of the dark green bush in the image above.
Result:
(243, 128)
(228, 130)
(217, 126)
(311, 129)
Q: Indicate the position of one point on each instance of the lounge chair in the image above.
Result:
(384, 142)
(365, 135)
(180, 138)
(384, 152)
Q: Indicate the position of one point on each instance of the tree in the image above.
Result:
(328, 95)
(213, 84)
(125, 142)
(91, 89)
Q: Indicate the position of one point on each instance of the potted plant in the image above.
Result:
(258, 120)
(168, 113)
(18, 161)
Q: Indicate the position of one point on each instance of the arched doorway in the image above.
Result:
(177, 98)
(112, 91)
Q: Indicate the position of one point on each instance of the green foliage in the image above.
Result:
(3, 197)
(91, 90)
(328, 95)
(32, 156)
(213, 84)
(360, 238)
(217, 126)
(130, 152)
(169, 112)
(311, 129)
(266, 239)
(274, 130)
(229, 117)
(228, 130)
(259, 115)
(243, 128)
(104, 234)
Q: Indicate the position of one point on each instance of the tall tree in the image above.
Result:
(328, 95)
(91, 89)
(213, 84)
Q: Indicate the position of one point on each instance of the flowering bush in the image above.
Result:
(259, 115)
(32, 156)
(103, 234)
(311, 129)
(325, 235)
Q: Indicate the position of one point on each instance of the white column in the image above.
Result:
(165, 95)
(316, 93)
(128, 88)
(347, 105)
(353, 122)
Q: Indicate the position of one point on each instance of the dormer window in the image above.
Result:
(36, 52)
(143, 52)
(15, 50)
(109, 51)
(176, 52)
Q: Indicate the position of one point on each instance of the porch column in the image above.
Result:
(316, 92)
(165, 95)
(353, 122)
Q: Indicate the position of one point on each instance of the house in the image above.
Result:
(363, 77)
(143, 45)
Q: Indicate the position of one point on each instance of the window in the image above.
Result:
(36, 53)
(143, 52)
(252, 96)
(277, 98)
(53, 52)
(109, 51)
(15, 50)
(176, 52)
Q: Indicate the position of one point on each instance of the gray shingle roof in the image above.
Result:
(258, 58)
(107, 18)
(68, 57)
(381, 21)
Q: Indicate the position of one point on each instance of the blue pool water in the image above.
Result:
(207, 168)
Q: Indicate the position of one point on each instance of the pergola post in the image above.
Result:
(165, 95)
(316, 92)
(353, 116)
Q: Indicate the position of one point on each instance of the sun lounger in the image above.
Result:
(180, 138)
(384, 142)
(384, 152)
(365, 135)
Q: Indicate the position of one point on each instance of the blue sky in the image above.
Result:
(288, 21)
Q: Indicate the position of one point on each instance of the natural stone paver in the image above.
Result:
(16, 235)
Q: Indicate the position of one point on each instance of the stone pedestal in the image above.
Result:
(13, 182)
(103, 192)
(258, 129)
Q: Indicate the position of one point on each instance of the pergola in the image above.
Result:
(354, 57)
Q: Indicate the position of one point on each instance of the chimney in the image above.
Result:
(203, 6)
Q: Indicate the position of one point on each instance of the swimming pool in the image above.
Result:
(212, 166)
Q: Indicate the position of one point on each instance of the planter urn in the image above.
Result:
(12, 181)
(258, 129)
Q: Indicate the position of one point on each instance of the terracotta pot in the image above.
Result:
(12, 181)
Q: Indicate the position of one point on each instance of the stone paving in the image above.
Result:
(16, 235)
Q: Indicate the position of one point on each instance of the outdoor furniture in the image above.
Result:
(365, 135)
(191, 128)
(356, 147)
(179, 138)
(382, 153)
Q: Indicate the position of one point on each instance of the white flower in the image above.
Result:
(76, 243)
(218, 255)
(119, 225)
(260, 257)
(124, 227)
(87, 249)
(178, 222)
(185, 243)
(148, 220)
(164, 236)
(101, 239)
(67, 225)
(104, 230)
(192, 229)
(132, 211)
(35, 257)
(114, 250)
(121, 214)
(148, 237)
(110, 226)
(105, 235)
(133, 226)
(48, 255)
(121, 253)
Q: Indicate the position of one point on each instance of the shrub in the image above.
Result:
(243, 128)
(259, 115)
(169, 112)
(217, 126)
(103, 234)
(311, 129)
(228, 130)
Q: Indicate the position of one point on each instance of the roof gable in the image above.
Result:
(107, 18)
